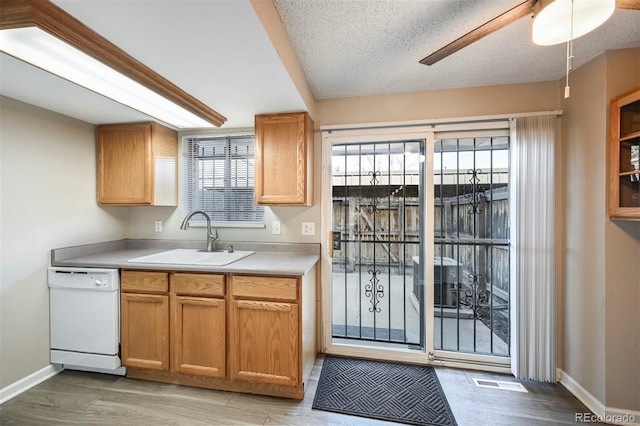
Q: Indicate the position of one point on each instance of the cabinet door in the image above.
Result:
(145, 331)
(199, 336)
(283, 159)
(124, 164)
(624, 157)
(264, 341)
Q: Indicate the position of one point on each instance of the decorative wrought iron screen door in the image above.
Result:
(471, 245)
(377, 219)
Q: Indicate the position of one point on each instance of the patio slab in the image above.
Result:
(353, 306)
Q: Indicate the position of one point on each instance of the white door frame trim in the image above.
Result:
(374, 135)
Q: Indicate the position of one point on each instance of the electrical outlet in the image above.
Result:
(158, 226)
(275, 227)
(308, 228)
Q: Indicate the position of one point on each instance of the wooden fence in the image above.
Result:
(386, 232)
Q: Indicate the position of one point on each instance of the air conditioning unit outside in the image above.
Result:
(447, 275)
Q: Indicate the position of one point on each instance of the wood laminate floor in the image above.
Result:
(80, 398)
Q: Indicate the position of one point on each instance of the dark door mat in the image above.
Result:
(382, 390)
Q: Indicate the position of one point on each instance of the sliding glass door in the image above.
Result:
(418, 230)
(374, 186)
(376, 211)
(471, 246)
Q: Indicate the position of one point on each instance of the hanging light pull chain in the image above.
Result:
(567, 90)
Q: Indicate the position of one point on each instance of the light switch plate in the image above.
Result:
(158, 226)
(275, 227)
(308, 228)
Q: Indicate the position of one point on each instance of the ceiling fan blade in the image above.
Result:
(628, 4)
(523, 9)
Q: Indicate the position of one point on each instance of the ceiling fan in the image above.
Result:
(529, 7)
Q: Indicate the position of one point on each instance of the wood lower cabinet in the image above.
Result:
(145, 331)
(174, 322)
(199, 325)
(265, 332)
(187, 328)
(200, 339)
(265, 342)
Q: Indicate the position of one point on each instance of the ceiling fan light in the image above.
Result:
(552, 22)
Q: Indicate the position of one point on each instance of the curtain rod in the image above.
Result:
(435, 122)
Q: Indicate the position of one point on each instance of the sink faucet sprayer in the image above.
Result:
(212, 234)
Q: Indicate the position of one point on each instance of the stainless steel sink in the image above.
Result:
(193, 257)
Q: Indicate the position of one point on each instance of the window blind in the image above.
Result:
(220, 179)
(534, 258)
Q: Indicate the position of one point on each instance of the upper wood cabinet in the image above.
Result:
(624, 156)
(137, 164)
(284, 159)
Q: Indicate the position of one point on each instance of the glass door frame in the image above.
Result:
(472, 361)
(428, 132)
(385, 134)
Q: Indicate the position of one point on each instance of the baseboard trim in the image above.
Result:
(603, 413)
(26, 383)
(591, 402)
(621, 416)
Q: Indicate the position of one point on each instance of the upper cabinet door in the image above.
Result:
(137, 164)
(624, 155)
(284, 159)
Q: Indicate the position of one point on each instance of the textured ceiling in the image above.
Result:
(369, 47)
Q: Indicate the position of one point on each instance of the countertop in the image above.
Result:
(295, 259)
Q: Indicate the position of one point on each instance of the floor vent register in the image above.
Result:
(499, 384)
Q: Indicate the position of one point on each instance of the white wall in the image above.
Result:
(584, 153)
(601, 346)
(622, 269)
(47, 200)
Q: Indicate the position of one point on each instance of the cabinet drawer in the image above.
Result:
(264, 287)
(198, 284)
(157, 282)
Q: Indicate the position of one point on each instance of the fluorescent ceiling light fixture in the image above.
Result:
(42, 50)
(553, 20)
(43, 35)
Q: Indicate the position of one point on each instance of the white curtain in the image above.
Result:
(533, 352)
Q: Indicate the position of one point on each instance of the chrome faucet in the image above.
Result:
(212, 235)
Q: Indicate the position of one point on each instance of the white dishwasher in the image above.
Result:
(84, 305)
